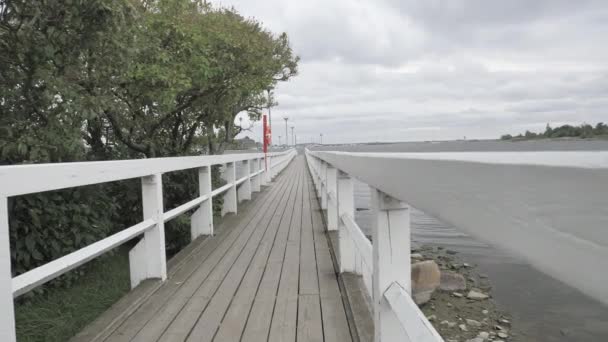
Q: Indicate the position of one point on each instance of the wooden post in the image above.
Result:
(346, 206)
(148, 259)
(7, 322)
(264, 176)
(317, 165)
(391, 254)
(230, 201)
(323, 185)
(201, 222)
(255, 181)
(332, 205)
(244, 190)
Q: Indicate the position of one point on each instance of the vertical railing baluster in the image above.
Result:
(391, 254)
(148, 259)
(7, 322)
(255, 180)
(346, 207)
(323, 185)
(230, 200)
(332, 205)
(201, 222)
(244, 190)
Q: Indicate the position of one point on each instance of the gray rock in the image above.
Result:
(473, 323)
(484, 335)
(463, 327)
(476, 339)
(475, 295)
(416, 256)
(425, 279)
(457, 294)
(452, 281)
(502, 335)
(432, 318)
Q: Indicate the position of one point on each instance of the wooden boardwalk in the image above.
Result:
(268, 275)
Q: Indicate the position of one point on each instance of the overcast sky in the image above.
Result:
(400, 70)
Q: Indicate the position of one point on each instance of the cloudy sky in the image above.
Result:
(401, 70)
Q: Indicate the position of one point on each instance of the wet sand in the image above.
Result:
(543, 308)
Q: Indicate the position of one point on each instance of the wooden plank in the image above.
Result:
(335, 323)
(234, 322)
(284, 318)
(259, 321)
(310, 326)
(214, 251)
(186, 305)
(261, 241)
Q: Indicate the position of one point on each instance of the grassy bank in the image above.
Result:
(60, 313)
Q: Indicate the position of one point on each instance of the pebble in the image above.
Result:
(498, 327)
(417, 256)
(502, 335)
(484, 335)
(457, 294)
(473, 323)
(477, 295)
(432, 318)
(476, 339)
(485, 312)
(463, 327)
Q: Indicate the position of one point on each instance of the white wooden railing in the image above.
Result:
(548, 207)
(147, 258)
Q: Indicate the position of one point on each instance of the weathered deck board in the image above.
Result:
(268, 277)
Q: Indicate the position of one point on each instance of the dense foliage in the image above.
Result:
(116, 79)
(583, 131)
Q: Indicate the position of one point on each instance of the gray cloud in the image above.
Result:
(422, 70)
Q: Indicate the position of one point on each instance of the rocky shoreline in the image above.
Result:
(456, 298)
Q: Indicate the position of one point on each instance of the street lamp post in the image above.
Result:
(286, 133)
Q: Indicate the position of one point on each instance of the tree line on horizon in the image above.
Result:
(90, 80)
(583, 131)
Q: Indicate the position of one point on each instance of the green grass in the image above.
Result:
(60, 313)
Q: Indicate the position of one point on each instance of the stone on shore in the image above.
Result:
(476, 295)
(425, 279)
(452, 281)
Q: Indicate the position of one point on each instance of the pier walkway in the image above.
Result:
(266, 275)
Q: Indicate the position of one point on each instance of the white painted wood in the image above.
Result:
(391, 253)
(230, 200)
(7, 322)
(25, 179)
(25, 282)
(323, 181)
(530, 203)
(244, 191)
(409, 316)
(332, 205)
(360, 242)
(201, 222)
(255, 171)
(346, 207)
(148, 259)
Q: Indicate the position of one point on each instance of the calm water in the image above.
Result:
(543, 309)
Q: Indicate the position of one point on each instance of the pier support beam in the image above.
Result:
(255, 181)
(346, 206)
(148, 259)
(323, 185)
(391, 258)
(7, 323)
(244, 190)
(201, 222)
(332, 198)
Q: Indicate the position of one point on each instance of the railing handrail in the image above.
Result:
(25, 179)
(147, 259)
(531, 203)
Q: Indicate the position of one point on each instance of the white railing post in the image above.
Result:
(323, 185)
(244, 190)
(346, 207)
(255, 181)
(263, 175)
(148, 259)
(201, 222)
(230, 200)
(332, 205)
(391, 254)
(7, 322)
